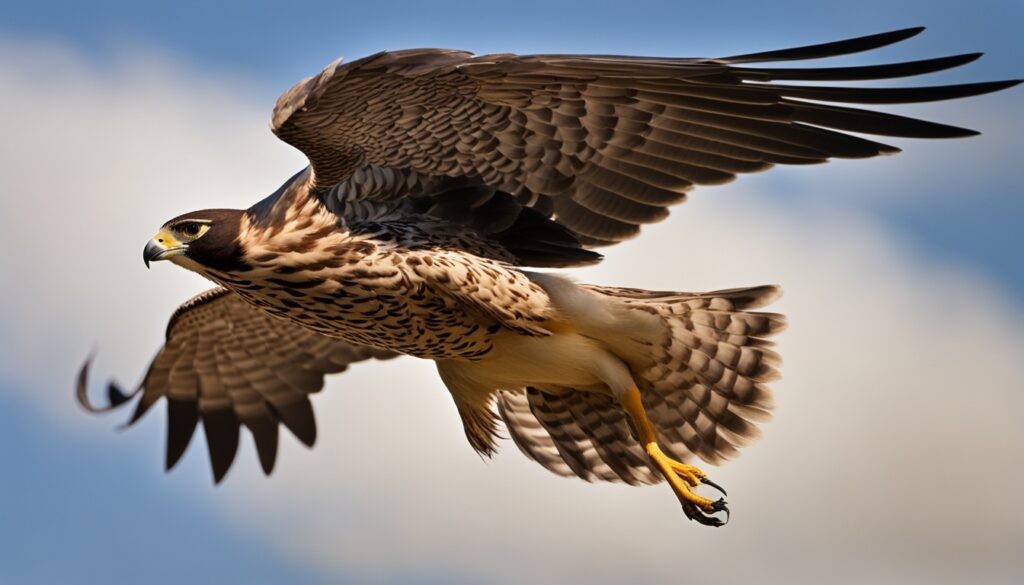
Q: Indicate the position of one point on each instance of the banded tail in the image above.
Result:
(701, 361)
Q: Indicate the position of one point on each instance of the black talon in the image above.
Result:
(707, 481)
(721, 506)
(696, 514)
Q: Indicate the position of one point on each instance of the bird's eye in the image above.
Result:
(191, 229)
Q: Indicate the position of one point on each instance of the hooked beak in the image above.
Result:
(163, 246)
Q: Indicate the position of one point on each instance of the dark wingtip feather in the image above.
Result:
(858, 72)
(870, 122)
(265, 434)
(221, 428)
(963, 59)
(300, 420)
(890, 95)
(832, 49)
(182, 417)
(116, 396)
(141, 408)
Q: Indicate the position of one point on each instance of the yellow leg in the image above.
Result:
(680, 476)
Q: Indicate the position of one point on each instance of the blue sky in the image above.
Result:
(85, 504)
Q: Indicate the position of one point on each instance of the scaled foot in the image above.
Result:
(681, 477)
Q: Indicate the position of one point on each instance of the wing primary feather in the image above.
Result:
(265, 433)
(221, 427)
(298, 417)
(832, 49)
(801, 137)
(182, 417)
(868, 122)
(891, 95)
(857, 73)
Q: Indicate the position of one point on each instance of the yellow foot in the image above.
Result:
(680, 476)
(683, 478)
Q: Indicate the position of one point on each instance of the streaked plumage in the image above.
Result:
(435, 176)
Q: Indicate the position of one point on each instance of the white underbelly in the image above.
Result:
(561, 360)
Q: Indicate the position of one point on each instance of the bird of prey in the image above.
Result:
(438, 180)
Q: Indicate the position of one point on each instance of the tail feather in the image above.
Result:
(702, 362)
(737, 299)
(576, 433)
(708, 384)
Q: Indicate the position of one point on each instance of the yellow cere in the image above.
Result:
(166, 238)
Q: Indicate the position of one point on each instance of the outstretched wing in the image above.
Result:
(229, 364)
(603, 144)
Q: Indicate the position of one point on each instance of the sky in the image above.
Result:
(894, 455)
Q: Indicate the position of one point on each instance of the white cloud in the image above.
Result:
(894, 456)
(92, 162)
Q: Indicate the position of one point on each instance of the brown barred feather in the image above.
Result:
(229, 365)
(575, 433)
(704, 390)
(611, 140)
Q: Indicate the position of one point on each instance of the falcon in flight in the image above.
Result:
(436, 178)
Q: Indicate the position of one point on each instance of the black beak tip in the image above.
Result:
(152, 251)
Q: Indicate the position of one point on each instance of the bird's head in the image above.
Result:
(199, 240)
